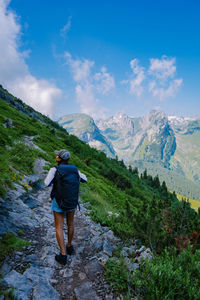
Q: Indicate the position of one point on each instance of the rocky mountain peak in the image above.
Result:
(154, 122)
(119, 121)
(156, 115)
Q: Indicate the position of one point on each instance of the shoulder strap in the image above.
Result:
(58, 171)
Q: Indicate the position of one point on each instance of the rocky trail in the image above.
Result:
(33, 273)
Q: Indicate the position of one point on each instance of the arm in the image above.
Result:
(83, 178)
(50, 176)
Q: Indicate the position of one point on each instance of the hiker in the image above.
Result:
(65, 179)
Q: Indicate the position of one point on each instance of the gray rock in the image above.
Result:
(108, 247)
(19, 253)
(94, 232)
(38, 167)
(14, 194)
(86, 204)
(80, 250)
(92, 268)
(22, 221)
(82, 275)
(135, 266)
(54, 281)
(132, 267)
(22, 285)
(147, 254)
(110, 236)
(131, 249)
(37, 273)
(5, 269)
(109, 297)
(8, 123)
(30, 201)
(97, 243)
(32, 259)
(28, 141)
(141, 249)
(124, 253)
(34, 181)
(85, 292)
(102, 258)
(48, 255)
(67, 273)
(75, 262)
(2, 200)
(105, 228)
(44, 291)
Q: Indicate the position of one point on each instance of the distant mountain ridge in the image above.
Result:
(84, 127)
(167, 146)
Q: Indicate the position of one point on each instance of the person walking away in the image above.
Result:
(65, 179)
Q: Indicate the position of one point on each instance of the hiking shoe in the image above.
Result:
(62, 259)
(70, 250)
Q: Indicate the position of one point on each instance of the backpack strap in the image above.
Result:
(58, 171)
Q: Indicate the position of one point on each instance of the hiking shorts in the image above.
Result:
(55, 207)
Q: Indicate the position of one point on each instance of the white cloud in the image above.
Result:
(136, 80)
(163, 68)
(105, 82)
(162, 82)
(136, 83)
(159, 79)
(167, 92)
(66, 28)
(80, 68)
(87, 101)
(14, 72)
(88, 84)
(39, 93)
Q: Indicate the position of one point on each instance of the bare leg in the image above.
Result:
(70, 225)
(59, 223)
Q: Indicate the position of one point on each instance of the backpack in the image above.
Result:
(66, 186)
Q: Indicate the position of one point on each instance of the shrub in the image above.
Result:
(10, 242)
(170, 276)
(116, 274)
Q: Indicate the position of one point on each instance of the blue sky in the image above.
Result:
(102, 57)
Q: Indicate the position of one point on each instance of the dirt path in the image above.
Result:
(83, 277)
(35, 274)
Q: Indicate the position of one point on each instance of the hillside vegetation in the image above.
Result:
(133, 206)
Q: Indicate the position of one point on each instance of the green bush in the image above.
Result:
(170, 276)
(10, 242)
(22, 157)
(116, 275)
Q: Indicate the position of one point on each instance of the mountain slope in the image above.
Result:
(187, 155)
(84, 127)
(150, 138)
(167, 146)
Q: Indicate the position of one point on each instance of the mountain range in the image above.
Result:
(164, 145)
